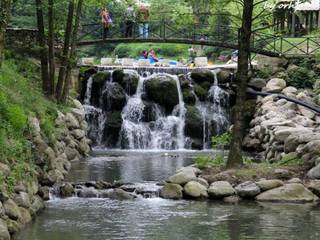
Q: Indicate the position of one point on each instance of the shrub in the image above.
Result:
(16, 117)
(207, 161)
(302, 78)
(221, 140)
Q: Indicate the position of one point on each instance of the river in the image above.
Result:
(159, 219)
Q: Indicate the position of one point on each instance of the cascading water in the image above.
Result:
(165, 132)
(118, 117)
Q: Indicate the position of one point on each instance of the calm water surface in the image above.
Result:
(159, 219)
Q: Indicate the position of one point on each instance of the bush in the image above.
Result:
(302, 78)
(207, 161)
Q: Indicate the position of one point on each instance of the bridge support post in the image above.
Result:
(293, 24)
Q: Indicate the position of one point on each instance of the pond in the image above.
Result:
(155, 218)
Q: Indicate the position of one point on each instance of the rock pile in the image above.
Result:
(187, 183)
(282, 129)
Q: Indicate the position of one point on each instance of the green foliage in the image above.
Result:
(221, 140)
(207, 161)
(302, 78)
(264, 73)
(175, 51)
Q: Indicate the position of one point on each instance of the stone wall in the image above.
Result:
(284, 130)
(53, 161)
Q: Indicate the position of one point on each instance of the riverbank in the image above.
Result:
(39, 140)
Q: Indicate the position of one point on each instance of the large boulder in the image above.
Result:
(200, 75)
(66, 190)
(112, 129)
(162, 89)
(114, 97)
(224, 76)
(195, 190)
(98, 82)
(194, 123)
(314, 186)
(247, 189)
(182, 177)
(171, 191)
(221, 189)
(118, 194)
(265, 185)
(22, 200)
(276, 85)
(4, 233)
(293, 192)
(128, 79)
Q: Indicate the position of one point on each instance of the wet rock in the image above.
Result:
(22, 200)
(201, 92)
(103, 185)
(87, 193)
(13, 226)
(232, 199)
(293, 192)
(98, 82)
(200, 75)
(162, 89)
(118, 194)
(221, 189)
(36, 206)
(4, 233)
(171, 191)
(194, 123)
(128, 79)
(247, 189)
(195, 190)
(44, 193)
(188, 97)
(66, 190)
(224, 76)
(112, 128)
(265, 185)
(276, 85)
(114, 98)
(12, 209)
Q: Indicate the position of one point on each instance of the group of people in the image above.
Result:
(131, 18)
(149, 55)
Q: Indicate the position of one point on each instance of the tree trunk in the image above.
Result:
(65, 54)
(43, 52)
(235, 154)
(51, 46)
(72, 58)
(4, 18)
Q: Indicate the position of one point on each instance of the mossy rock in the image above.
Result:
(184, 83)
(201, 92)
(112, 129)
(194, 123)
(128, 79)
(188, 97)
(202, 75)
(162, 89)
(114, 98)
(206, 85)
(98, 82)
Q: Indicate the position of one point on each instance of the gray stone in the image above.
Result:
(71, 121)
(44, 193)
(276, 85)
(78, 134)
(293, 192)
(13, 226)
(232, 199)
(25, 216)
(182, 178)
(12, 209)
(4, 169)
(314, 186)
(257, 83)
(22, 200)
(265, 185)
(295, 180)
(36, 206)
(119, 194)
(4, 233)
(314, 173)
(171, 191)
(247, 189)
(195, 190)
(282, 173)
(221, 189)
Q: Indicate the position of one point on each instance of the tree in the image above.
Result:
(51, 47)
(72, 57)
(43, 49)
(65, 53)
(4, 18)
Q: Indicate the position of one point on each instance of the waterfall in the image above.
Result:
(117, 118)
(166, 132)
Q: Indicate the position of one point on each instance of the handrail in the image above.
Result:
(281, 96)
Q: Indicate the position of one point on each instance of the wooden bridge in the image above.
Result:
(223, 37)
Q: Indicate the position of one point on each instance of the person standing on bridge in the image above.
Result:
(130, 20)
(106, 22)
(143, 17)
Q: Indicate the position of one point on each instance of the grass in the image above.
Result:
(21, 98)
